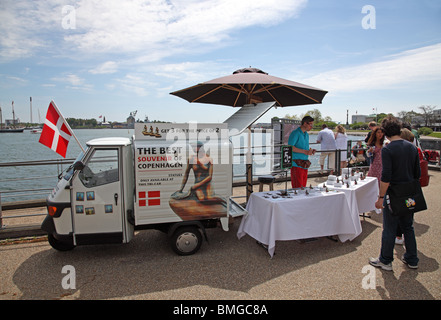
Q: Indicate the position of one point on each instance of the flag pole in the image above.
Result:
(67, 125)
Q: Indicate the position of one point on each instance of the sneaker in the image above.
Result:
(414, 266)
(378, 264)
(399, 240)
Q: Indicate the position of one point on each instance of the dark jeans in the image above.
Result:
(390, 225)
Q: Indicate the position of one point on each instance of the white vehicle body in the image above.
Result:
(176, 178)
(119, 185)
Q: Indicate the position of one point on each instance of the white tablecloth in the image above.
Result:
(361, 197)
(300, 217)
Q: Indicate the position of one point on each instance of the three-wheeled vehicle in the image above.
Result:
(176, 178)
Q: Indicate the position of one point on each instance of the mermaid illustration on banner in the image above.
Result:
(200, 201)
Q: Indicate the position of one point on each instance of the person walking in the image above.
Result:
(326, 139)
(401, 164)
(299, 140)
(341, 143)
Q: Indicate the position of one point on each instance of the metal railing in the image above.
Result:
(62, 163)
(23, 195)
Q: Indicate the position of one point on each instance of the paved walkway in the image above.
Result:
(228, 268)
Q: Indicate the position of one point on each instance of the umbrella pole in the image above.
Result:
(249, 166)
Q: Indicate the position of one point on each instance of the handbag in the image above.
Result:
(305, 164)
(405, 198)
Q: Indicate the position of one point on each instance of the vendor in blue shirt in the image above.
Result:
(299, 140)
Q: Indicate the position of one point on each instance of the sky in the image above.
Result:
(109, 58)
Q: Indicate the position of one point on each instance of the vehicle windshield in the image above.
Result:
(70, 171)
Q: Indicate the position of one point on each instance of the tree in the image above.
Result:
(316, 114)
(408, 116)
(293, 117)
(427, 114)
(381, 116)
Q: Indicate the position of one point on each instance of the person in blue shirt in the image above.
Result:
(299, 140)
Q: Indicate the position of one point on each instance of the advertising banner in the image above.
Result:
(182, 171)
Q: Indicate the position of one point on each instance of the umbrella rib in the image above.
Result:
(239, 91)
(268, 87)
(303, 94)
(237, 98)
(264, 88)
(208, 92)
(232, 88)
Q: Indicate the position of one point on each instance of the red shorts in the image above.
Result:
(299, 177)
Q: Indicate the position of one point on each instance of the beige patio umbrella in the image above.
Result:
(251, 85)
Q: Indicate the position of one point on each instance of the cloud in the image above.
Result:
(134, 83)
(147, 29)
(417, 65)
(24, 27)
(105, 68)
(73, 81)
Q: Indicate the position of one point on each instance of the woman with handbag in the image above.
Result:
(375, 145)
(401, 170)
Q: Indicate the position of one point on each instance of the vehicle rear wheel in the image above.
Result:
(186, 240)
(58, 245)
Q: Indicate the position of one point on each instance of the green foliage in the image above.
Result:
(436, 134)
(425, 131)
(82, 123)
(359, 125)
(318, 124)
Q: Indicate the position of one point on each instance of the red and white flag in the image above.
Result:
(56, 131)
(149, 198)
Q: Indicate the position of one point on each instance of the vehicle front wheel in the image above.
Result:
(186, 240)
(58, 245)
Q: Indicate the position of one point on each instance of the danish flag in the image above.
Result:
(56, 131)
(150, 198)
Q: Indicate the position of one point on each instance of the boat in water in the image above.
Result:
(36, 130)
(9, 129)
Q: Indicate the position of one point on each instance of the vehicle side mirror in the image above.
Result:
(78, 165)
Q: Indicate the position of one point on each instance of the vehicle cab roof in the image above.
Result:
(109, 141)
